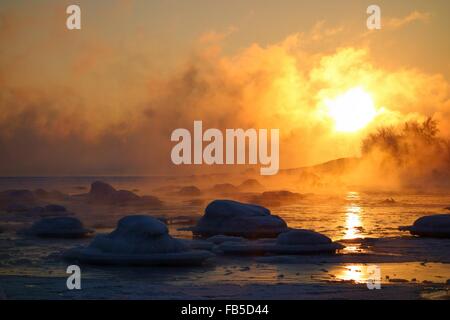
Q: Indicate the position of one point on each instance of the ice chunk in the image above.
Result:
(437, 226)
(232, 218)
(59, 227)
(296, 241)
(139, 240)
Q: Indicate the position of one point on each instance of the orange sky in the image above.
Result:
(97, 101)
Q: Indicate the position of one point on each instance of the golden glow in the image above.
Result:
(351, 272)
(353, 222)
(356, 272)
(352, 110)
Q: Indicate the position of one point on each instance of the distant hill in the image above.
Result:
(335, 166)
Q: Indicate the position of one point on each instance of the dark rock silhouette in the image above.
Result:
(224, 189)
(9, 198)
(103, 193)
(233, 218)
(167, 189)
(276, 198)
(50, 195)
(194, 202)
(251, 185)
(388, 201)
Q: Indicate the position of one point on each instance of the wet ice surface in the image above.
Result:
(410, 267)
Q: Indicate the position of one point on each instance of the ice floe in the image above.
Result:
(437, 226)
(59, 227)
(139, 240)
(232, 218)
(296, 241)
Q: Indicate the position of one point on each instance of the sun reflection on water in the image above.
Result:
(353, 272)
(353, 223)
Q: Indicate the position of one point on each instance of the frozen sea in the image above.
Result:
(366, 223)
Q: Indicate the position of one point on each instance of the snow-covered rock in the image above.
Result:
(198, 244)
(139, 240)
(218, 239)
(59, 227)
(232, 218)
(437, 226)
(296, 241)
(302, 236)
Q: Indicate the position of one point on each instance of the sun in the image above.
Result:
(352, 110)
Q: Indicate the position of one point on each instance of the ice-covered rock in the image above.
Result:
(197, 244)
(218, 239)
(232, 218)
(59, 227)
(437, 226)
(302, 236)
(296, 241)
(139, 240)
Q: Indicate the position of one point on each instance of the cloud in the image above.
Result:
(414, 16)
(319, 31)
(112, 112)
